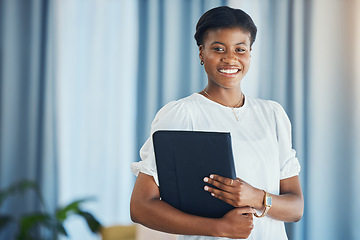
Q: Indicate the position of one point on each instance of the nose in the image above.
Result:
(230, 58)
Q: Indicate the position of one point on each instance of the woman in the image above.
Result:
(267, 192)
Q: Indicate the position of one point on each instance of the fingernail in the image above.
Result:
(206, 188)
(213, 194)
(211, 176)
(206, 179)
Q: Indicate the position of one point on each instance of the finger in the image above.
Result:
(245, 210)
(240, 180)
(218, 193)
(217, 184)
(223, 180)
(224, 196)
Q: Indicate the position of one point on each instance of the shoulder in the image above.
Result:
(181, 105)
(269, 108)
(175, 114)
(265, 105)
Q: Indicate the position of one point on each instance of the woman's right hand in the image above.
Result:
(238, 223)
(147, 209)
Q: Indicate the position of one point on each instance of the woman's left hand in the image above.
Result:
(237, 193)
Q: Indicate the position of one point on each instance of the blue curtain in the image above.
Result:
(333, 120)
(81, 81)
(28, 146)
(97, 46)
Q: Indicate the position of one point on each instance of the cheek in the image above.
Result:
(207, 56)
(210, 61)
(208, 68)
(246, 60)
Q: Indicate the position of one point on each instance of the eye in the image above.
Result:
(240, 50)
(218, 49)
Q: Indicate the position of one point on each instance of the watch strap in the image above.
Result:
(267, 206)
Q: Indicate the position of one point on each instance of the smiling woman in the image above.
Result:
(267, 184)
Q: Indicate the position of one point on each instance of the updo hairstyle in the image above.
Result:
(224, 17)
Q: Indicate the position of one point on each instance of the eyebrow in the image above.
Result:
(216, 42)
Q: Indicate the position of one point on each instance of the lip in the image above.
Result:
(229, 69)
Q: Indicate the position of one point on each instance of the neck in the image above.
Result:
(228, 97)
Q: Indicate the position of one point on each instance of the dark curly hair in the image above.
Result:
(224, 17)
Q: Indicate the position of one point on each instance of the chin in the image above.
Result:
(228, 85)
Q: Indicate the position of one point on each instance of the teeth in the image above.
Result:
(228, 70)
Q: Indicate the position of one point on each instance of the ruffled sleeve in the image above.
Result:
(289, 163)
(173, 116)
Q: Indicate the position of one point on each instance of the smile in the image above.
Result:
(229, 71)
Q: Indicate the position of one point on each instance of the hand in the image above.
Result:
(237, 193)
(237, 223)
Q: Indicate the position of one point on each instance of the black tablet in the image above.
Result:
(183, 159)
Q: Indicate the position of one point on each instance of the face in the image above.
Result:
(226, 56)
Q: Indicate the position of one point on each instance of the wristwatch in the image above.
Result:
(267, 204)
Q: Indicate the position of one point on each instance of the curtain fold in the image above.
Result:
(333, 120)
(28, 148)
(97, 50)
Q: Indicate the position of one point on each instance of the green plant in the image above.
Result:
(29, 224)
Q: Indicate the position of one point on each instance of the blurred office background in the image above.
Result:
(81, 80)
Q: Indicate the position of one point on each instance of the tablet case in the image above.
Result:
(183, 159)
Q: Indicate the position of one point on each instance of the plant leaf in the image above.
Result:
(92, 222)
(73, 207)
(5, 220)
(21, 187)
(27, 222)
(61, 229)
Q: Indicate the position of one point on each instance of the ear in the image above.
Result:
(201, 49)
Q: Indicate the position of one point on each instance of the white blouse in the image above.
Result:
(261, 141)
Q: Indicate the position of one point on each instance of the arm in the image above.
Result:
(287, 207)
(146, 208)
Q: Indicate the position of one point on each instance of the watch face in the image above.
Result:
(268, 201)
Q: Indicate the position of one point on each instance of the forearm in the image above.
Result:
(158, 215)
(289, 205)
(286, 207)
